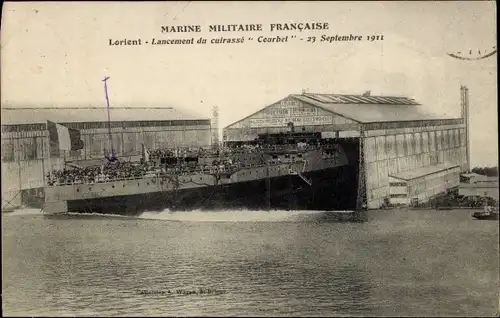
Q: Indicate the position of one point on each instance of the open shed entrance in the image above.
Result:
(341, 194)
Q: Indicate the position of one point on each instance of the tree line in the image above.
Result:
(486, 171)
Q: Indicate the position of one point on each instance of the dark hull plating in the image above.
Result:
(331, 189)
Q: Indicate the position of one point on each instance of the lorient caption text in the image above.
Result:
(328, 39)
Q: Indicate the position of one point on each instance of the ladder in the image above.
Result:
(293, 172)
(309, 182)
(361, 191)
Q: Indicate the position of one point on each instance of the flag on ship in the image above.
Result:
(111, 160)
(145, 153)
(63, 139)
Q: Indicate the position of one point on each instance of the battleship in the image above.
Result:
(291, 171)
(286, 170)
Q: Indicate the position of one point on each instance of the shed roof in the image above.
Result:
(472, 174)
(39, 115)
(361, 99)
(422, 172)
(370, 109)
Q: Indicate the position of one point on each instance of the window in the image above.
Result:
(397, 184)
(398, 195)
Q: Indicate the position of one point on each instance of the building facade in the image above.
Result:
(25, 150)
(396, 136)
(475, 185)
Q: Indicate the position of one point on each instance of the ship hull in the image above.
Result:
(330, 189)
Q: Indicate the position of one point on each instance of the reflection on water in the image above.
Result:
(262, 263)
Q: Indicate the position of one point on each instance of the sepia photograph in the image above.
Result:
(249, 158)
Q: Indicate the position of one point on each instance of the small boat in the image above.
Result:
(489, 213)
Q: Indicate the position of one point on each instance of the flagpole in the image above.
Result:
(47, 146)
(43, 171)
(19, 166)
(109, 118)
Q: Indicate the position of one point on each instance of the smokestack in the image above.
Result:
(215, 127)
(462, 102)
(464, 96)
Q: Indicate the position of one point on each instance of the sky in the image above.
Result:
(56, 54)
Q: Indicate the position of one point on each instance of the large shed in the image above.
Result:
(395, 136)
(25, 138)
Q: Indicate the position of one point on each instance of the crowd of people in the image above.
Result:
(117, 170)
(224, 150)
(104, 173)
(172, 153)
(127, 170)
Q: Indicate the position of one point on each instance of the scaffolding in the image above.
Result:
(361, 202)
(464, 98)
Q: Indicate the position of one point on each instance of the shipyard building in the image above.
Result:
(401, 154)
(476, 185)
(25, 141)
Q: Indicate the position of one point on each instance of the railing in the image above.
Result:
(225, 152)
(208, 171)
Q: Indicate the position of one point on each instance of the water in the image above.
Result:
(399, 263)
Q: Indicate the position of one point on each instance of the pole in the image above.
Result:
(43, 170)
(361, 191)
(467, 131)
(109, 118)
(47, 146)
(19, 166)
(268, 186)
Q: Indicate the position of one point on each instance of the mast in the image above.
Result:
(268, 185)
(43, 170)
(109, 118)
(47, 147)
(19, 171)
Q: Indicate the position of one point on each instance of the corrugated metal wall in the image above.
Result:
(31, 145)
(396, 150)
(23, 175)
(24, 151)
(127, 141)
